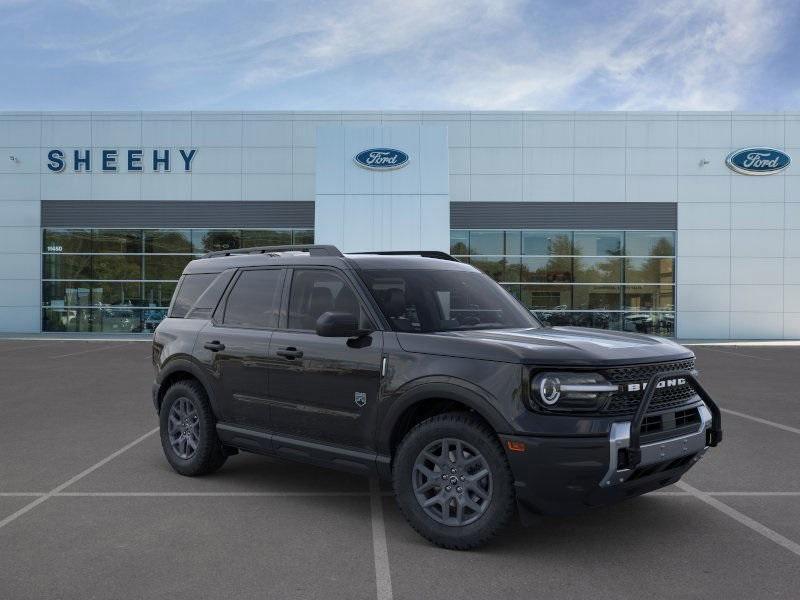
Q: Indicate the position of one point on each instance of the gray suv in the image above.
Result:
(419, 369)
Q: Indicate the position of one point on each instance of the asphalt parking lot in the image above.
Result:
(90, 509)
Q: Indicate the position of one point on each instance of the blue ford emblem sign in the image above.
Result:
(758, 161)
(381, 159)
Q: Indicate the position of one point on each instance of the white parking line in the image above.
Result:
(19, 348)
(762, 421)
(383, 577)
(104, 339)
(30, 506)
(315, 494)
(212, 494)
(741, 354)
(742, 518)
(753, 344)
(753, 494)
(756, 494)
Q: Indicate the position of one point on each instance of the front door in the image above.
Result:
(324, 388)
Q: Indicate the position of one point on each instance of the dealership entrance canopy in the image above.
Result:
(679, 224)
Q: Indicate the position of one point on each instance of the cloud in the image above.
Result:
(683, 56)
(327, 38)
(449, 54)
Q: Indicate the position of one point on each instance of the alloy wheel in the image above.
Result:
(184, 428)
(452, 482)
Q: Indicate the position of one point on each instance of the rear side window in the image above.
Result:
(189, 291)
(254, 299)
(208, 300)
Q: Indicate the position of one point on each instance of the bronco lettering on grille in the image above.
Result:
(664, 383)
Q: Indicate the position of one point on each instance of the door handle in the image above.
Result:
(290, 353)
(214, 346)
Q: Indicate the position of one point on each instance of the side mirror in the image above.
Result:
(338, 324)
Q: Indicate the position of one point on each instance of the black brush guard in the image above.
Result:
(713, 435)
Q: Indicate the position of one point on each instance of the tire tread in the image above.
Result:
(507, 503)
(210, 456)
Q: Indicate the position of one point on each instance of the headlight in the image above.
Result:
(565, 391)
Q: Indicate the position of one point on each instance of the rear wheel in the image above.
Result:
(188, 432)
(453, 482)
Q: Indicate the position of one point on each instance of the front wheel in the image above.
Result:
(452, 481)
(188, 430)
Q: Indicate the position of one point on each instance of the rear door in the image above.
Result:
(234, 345)
(321, 388)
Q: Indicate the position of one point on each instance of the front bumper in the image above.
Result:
(667, 452)
(565, 475)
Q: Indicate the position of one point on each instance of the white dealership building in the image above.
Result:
(623, 220)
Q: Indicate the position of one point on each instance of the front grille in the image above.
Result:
(651, 424)
(684, 418)
(625, 402)
(666, 425)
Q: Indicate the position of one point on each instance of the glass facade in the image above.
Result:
(122, 280)
(623, 280)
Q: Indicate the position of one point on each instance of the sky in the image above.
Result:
(400, 55)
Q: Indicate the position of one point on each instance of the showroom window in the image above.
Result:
(622, 280)
(122, 280)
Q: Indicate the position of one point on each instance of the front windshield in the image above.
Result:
(430, 300)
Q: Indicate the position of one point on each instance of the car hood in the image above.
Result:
(576, 346)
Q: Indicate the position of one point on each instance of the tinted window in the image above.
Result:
(547, 270)
(119, 266)
(601, 243)
(168, 240)
(164, 267)
(67, 240)
(459, 242)
(189, 291)
(97, 293)
(315, 292)
(253, 301)
(486, 242)
(303, 236)
(422, 301)
(266, 237)
(650, 270)
(546, 243)
(70, 266)
(133, 268)
(650, 243)
(117, 240)
(213, 240)
(209, 299)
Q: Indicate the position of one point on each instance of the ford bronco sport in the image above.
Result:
(419, 369)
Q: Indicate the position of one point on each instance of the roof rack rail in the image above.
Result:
(424, 253)
(313, 250)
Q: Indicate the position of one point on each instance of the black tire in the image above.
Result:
(475, 433)
(208, 456)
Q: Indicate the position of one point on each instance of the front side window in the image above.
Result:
(427, 300)
(254, 300)
(317, 291)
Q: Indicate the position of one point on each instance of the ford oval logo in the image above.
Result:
(381, 159)
(758, 161)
